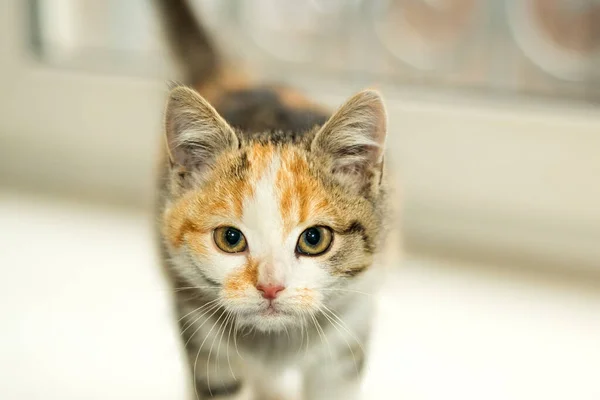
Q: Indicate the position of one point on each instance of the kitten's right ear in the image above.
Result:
(354, 140)
(196, 134)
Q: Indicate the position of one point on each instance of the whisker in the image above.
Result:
(307, 336)
(235, 335)
(250, 330)
(179, 289)
(287, 333)
(228, 338)
(322, 335)
(344, 326)
(210, 351)
(346, 290)
(197, 309)
(212, 307)
(218, 364)
(301, 338)
(200, 349)
(171, 290)
(222, 329)
(331, 321)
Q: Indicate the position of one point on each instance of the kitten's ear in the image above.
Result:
(354, 139)
(196, 134)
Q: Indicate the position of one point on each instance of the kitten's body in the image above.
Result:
(274, 165)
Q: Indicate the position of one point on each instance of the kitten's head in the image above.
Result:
(273, 228)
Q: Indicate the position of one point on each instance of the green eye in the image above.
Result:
(229, 239)
(314, 241)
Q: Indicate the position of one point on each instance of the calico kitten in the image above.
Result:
(270, 216)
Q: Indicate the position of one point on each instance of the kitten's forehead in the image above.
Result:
(285, 193)
(260, 212)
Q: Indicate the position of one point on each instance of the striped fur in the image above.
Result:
(271, 163)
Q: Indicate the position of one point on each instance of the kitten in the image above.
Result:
(270, 217)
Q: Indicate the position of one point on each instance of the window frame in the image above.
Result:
(498, 177)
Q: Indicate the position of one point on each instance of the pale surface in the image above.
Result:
(85, 316)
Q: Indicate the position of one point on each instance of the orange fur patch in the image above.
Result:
(306, 297)
(302, 195)
(221, 198)
(259, 157)
(240, 280)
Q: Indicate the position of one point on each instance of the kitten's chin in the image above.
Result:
(269, 320)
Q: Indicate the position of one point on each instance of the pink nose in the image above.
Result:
(269, 292)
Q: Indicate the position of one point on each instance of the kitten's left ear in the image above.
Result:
(196, 133)
(354, 138)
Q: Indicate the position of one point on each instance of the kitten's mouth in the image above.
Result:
(269, 311)
(269, 318)
(273, 311)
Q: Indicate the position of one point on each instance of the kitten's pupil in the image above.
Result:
(232, 236)
(313, 237)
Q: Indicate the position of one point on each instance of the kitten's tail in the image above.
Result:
(189, 43)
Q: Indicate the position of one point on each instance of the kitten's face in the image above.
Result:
(271, 231)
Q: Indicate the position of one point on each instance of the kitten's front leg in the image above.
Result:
(337, 379)
(214, 378)
(217, 370)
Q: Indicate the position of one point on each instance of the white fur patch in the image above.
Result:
(278, 263)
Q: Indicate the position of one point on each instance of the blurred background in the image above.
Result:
(494, 139)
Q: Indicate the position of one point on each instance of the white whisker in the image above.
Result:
(222, 328)
(331, 321)
(179, 289)
(344, 326)
(346, 290)
(323, 337)
(307, 336)
(198, 309)
(232, 322)
(301, 338)
(287, 333)
(235, 334)
(200, 349)
(211, 308)
(210, 351)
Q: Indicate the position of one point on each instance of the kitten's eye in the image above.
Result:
(314, 241)
(229, 239)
